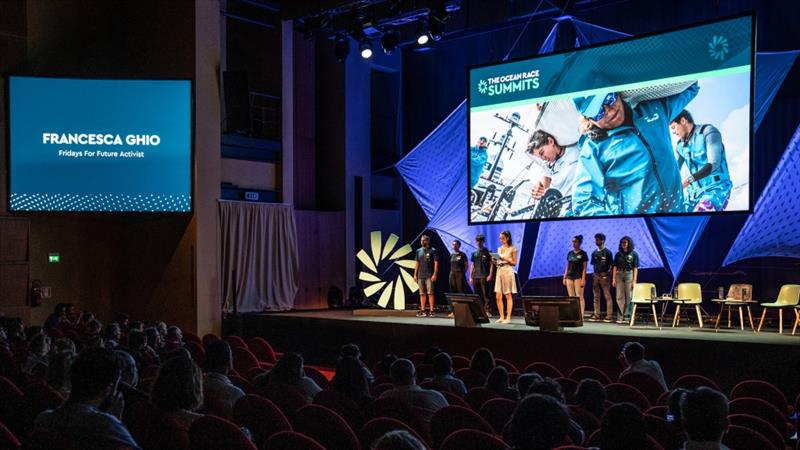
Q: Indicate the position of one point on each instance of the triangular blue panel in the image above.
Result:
(678, 236)
(774, 227)
(771, 70)
(555, 241)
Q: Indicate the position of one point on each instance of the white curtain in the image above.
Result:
(259, 245)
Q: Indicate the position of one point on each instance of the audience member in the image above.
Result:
(173, 339)
(122, 320)
(525, 380)
(430, 353)
(129, 378)
(622, 428)
(443, 374)
(704, 415)
(354, 351)
(62, 345)
(162, 329)
(138, 348)
(89, 419)
(539, 422)
(155, 341)
(58, 315)
(219, 393)
(289, 370)
(36, 362)
(482, 361)
(674, 407)
(93, 328)
(398, 440)
(591, 396)
(178, 390)
(350, 379)
(632, 358)
(385, 364)
(113, 335)
(136, 326)
(96, 341)
(497, 382)
(551, 388)
(58, 372)
(426, 401)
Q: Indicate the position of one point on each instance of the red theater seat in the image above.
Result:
(584, 418)
(262, 417)
(40, 397)
(508, 365)
(581, 373)
(398, 410)
(213, 433)
(242, 384)
(453, 418)
(453, 399)
(317, 376)
(693, 381)
(244, 360)
(472, 440)
(619, 393)
(744, 438)
(666, 434)
(568, 387)
(263, 351)
(236, 342)
(191, 337)
(477, 396)
(460, 362)
(417, 358)
(154, 429)
(325, 426)
(497, 412)
(289, 440)
(288, 398)
(7, 439)
(197, 351)
(760, 426)
(12, 403)
(763, 410)
(342, 405)
(544, 369)
(379, 389)
(209, 338)
(424, 371)
(379, 426)
(763, 390)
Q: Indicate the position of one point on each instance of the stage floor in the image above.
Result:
(640, 330)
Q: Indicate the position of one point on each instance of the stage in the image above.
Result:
(728, 355)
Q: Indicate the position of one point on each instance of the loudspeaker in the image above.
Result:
(237, 101)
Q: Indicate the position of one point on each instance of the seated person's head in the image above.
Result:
(93, 376)
(704, 414)
(174, 334)
(94, 327)
(129, 373)
(442, 364)
(288, 369)
(350, 350)
(674, 405)
(497, 381)
(40, 345)
(547, 386)
(113, 331)
(64, 344)
(122, 320)
(137, 340)
(591, 396)
(622, 428)
(482, 361)
(178, 386)
(539, 422)
(633, 352)
(398, 440)
(154, 339)
(403, 372)
(135, 325)
(219, 358)
(386, 362)
(350, 377)
(525, 380)
(87, 317)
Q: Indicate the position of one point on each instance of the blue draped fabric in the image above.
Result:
(771, 70)
(774, 227)
(555, 241)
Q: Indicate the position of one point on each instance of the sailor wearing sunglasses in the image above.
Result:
(626, 163)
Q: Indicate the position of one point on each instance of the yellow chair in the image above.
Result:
(797, 318)
(688, 294)
(643, 295)
(788, 297)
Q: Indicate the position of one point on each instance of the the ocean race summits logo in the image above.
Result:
(506, 84)
(718, 48)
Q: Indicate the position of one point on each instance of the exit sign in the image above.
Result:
(53, 258)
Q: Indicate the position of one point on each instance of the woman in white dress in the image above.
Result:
(505, 283)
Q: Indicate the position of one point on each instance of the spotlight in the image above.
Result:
(390, 40)
(366, 48)
(342, 47)
(422, 32)
(436, 29)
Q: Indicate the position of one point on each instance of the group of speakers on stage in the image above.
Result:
(619, 270)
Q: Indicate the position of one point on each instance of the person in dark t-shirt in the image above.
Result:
(575, 272)
(458, 270)
(481, 271)
(602, 261)
(624, 274)
(425, 270)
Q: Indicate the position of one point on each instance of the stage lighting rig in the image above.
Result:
(389, 40)
(423, 31)
(366, 48)
(342, 47)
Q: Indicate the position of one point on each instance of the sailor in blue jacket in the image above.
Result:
(708, 187)
(626, 164)
(478, 156)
